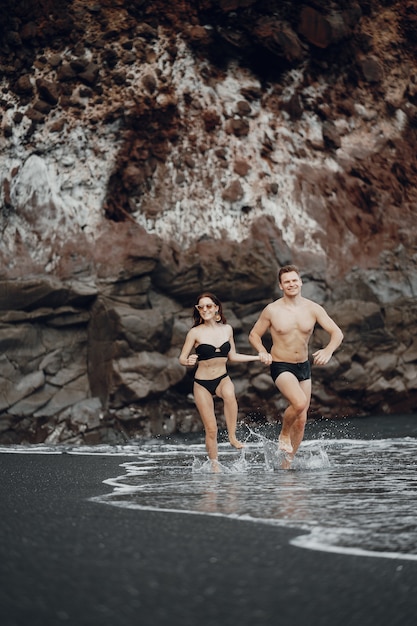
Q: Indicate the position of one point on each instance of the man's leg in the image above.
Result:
(294, 419)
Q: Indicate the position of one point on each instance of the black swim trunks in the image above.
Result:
(302, 371)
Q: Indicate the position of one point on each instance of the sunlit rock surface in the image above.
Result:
(152, 150)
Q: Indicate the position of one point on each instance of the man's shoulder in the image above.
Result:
(272, 306)
(313, 306)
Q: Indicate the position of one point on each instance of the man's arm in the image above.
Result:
(323, 356)
(256, 334)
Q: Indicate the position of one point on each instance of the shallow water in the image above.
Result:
(351, 489)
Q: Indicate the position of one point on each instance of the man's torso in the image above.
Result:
(291, 328)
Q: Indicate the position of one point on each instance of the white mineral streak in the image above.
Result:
(58, 181)
(197, 209)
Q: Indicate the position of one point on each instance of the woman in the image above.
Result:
(213, 342)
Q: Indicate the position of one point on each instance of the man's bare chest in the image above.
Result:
(287, 322)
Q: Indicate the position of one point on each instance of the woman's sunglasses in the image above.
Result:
(201, 307)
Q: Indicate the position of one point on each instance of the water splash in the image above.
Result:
(238, 466)
(311, 456)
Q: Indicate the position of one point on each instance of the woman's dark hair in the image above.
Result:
(196, 315)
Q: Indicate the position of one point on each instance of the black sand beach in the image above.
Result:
(67, 560)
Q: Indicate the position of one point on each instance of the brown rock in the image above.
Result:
(55, 60)
(149, 82)
(372, 70)
(57, 126)
(42, 107)
(24, 85)
(315, 28)
(331, 136)
(238, 127)
(241, 167)
(211, 120)
(6, 193)
(41, 292)
(79, 64)
(128, 58)
(65, 72)
(293, 107)
(233, 192)
(199, 35)
(48, 91)
(133, 177)
(146, 329)
(279, 38)
(324, 29)
(90, 74)
(243, 108)
(138, 376)
(36, 116)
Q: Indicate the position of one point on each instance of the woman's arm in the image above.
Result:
(237, 357)
(185, 357)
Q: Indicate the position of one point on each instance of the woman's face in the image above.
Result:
(207, 308)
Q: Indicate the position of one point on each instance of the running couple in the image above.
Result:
(290, 320)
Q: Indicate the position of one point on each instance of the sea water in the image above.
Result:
(352, 487)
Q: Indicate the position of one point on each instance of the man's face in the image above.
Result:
(290, 283)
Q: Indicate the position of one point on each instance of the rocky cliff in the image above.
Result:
(152, 150)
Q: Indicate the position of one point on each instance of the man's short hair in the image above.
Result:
(287, 268)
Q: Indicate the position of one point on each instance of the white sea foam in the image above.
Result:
(347, 495)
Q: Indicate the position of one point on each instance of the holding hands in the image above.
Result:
(265, 358)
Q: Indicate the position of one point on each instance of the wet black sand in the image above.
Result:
(67, 560)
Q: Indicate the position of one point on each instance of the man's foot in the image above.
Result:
(284, 444)
(236, 443)
(287, 460)
(215, 467)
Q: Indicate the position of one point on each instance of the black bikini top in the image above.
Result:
(206, 351)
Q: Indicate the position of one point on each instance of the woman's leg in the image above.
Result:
(226, 391)
(205, 405)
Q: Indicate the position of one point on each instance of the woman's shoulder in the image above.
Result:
(192, 333)
(229, 329)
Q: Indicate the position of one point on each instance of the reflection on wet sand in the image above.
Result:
(229, 495)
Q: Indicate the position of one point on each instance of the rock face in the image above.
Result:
(150, 151)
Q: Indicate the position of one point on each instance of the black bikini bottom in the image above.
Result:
(210, 385)
(302, 371)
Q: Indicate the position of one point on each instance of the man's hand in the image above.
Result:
(322, 357)
(265, 358)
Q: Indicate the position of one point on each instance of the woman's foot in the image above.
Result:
(236, 443)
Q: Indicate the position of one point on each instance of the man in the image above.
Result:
(291, 321)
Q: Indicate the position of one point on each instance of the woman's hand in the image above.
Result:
(191, 360)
